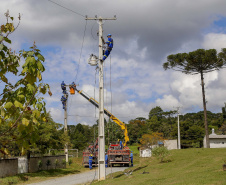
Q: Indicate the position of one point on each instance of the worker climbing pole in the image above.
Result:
(64, 102)
(64, 96)
(109, 43)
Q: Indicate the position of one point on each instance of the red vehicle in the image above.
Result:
(117, 156)
(91, 149)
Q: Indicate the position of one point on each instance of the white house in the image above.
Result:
(216, 141)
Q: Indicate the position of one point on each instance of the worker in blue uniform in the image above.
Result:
(131, 158)
(106, 160)
(63, 86)
(109, 47)
(120, 142)
(63, 100)
(90, 161)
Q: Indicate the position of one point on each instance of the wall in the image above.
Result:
(8, 167)
(215, 142)
(145, 152)
(218, 143)
(33, 163)
(170, 144)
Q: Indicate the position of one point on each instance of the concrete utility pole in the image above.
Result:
(65, 128)
(178, 126)
(101, 138)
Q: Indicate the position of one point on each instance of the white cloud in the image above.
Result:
(168, 102)
(57, 114)
(215, 41)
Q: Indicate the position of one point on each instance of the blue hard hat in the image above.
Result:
(109, 34)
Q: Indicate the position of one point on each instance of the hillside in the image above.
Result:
(188, 166)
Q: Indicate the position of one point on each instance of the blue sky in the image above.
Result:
(144, 34)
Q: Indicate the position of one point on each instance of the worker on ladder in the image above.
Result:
(109, 47)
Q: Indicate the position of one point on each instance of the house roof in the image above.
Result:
(212, 136)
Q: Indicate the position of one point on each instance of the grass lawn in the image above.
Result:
(182, 167)
(187, 166)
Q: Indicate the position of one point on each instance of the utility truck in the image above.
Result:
(90, 150)
(116, 153)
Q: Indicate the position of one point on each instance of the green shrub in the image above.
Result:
(48, 163)
(64, 162)
(160, 152)
(56, 163)
(70, 162)
(39, 164)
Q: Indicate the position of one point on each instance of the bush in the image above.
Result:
(39, 164)
(160, 152)
(48, 163)
(64, 162)
(56, 163)
(70, 162)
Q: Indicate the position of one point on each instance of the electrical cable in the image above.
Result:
(66, 8)
(95, 88)
(81, 50)
(79, 60)
(110, 84)
(92, 31)
(105, 80)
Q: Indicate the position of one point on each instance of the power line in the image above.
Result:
(81, 50)
(66, 8)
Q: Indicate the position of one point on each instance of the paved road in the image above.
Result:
(79, 178)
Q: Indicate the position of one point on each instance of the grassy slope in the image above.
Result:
(189, 166)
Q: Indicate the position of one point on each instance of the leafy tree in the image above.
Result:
(148, 140)
(49, 136)
(223, 128)
(21, 107)
(157, 111)
(80, 136)
(136, 128)
(198, 62)
(154, 123)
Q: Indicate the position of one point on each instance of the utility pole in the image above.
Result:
(178, 127)
(101, 138)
